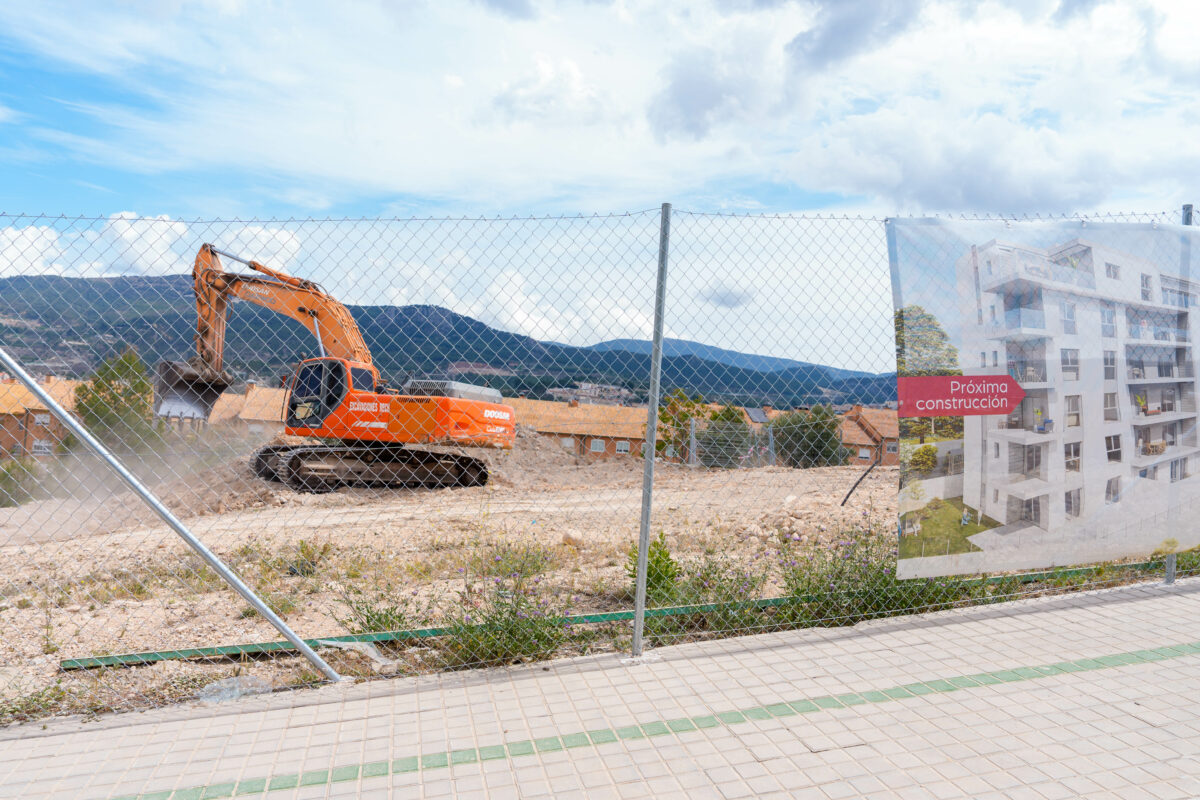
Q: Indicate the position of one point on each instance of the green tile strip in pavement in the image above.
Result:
(800, 706)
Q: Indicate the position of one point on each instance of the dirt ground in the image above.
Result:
(82, 577)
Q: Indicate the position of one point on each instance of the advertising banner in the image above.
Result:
(1047, 393)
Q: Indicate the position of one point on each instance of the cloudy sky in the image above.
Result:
(531, 106)
(151, 115)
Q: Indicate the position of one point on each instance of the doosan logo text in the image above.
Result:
(491, 413)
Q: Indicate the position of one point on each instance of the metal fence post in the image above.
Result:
(693, 456)
(660, 290)
(770, 445)
(207, 555)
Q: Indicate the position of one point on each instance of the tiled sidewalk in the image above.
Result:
(1089, 695)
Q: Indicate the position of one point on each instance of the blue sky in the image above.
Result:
(147, 113)
(230, 108)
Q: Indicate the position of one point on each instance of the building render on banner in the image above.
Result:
(1102, 343)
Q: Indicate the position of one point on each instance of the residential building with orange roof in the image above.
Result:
(870, 434)
(593, 431)
(27, 428)
(259, 410)
(263, 410)
(227, 408)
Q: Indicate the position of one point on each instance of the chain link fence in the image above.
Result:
(413, 540)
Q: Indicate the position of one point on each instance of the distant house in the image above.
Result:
(593, 431)
(593, 393)
(264, 409)
(27, 428)
(259, 410)
(475, 368)
(871, 433)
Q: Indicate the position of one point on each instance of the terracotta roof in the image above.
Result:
(263, 404)
(853, 434)
(869, 426)
(16, 399)
(227, 407)
(586, 419)
(884, 420)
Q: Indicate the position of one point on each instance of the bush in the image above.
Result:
(381, 612)
(117, 404)
(715, 578)
(809, 439)
(308, 557)
(18, 481)
(500, 621)
(662, 572)
(855, 579)
(507, 559)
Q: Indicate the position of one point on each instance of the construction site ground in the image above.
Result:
(103, 576)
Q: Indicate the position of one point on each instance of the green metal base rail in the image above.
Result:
(235, 651)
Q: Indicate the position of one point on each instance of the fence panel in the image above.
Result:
(777, 330)
(776, 507)
(545, 313)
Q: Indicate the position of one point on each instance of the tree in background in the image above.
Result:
(117, 403)
(675, 415)
(725, 439)
(809, 439)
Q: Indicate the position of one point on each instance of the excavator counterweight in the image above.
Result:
(365, 430)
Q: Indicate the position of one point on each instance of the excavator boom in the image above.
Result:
(190, 389)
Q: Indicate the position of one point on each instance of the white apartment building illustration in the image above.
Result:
(1102, 343)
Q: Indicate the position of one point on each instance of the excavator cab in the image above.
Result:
(318, 388)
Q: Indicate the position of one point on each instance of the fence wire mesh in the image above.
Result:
(395, 532)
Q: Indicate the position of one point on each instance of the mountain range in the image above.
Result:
(68, 324)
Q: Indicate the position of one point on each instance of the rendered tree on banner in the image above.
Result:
(924, 348)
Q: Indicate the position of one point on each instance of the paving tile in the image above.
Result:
(1055, 697)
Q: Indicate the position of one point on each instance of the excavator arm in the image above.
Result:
(304, 301)
(190, 389)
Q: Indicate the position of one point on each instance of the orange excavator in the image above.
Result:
(366, 429)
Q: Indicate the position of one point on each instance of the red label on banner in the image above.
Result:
(958, 395)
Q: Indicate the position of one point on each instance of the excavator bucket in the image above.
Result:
(181, 391)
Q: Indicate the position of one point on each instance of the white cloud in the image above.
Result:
(29, 250)
(125, 244)
(271, 246)
(577, 281)
(555, 92)
(143, 246)
(508, 104)
(845, 28)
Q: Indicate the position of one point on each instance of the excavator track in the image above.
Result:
(317, 469)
